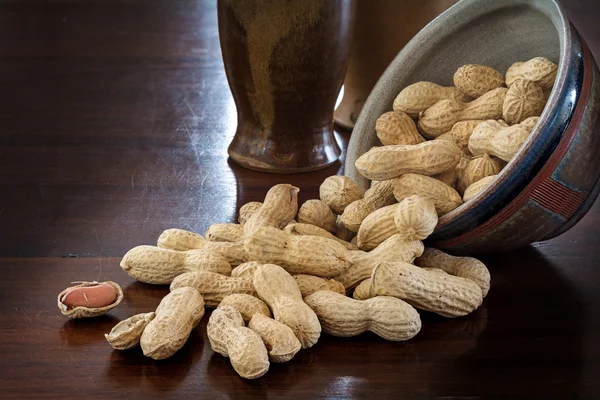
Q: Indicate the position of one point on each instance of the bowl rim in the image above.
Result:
(455, 14)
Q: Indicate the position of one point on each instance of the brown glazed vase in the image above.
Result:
(285, 61)
(381, 30)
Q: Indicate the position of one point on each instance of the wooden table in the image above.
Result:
(114, 118)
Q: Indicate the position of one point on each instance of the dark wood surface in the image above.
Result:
(115, 117)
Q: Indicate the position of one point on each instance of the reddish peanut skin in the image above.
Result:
(96, 296)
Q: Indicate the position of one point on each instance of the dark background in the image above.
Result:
(115, 116)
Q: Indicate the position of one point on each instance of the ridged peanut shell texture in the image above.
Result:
(225, 233)
(280, 291)
(246, 304)
(279, 207)
(478, 168)
(245, 269)
(308, 284)
(395, 248)
(338, 192)
(415, 218)
(419, 96)
(465, 267)
(214, 287)
(523, 99)
(182, 240)
(177, 314)
(89, 299)
(364, 290)
(443, 196)
(127, 333)
(461, 132)
(428, 158)
(313, 230)
(496, 139)
(447, 295)
(396, 127)
(475, 80)
(318, 213)
(150, 264)
(279, 339)
(387, 317)
(311, 255)
(441, 117)
(539, 70)
(376, 228)
(379, 195)
(477, 187)
(247, 210)
(229, 337)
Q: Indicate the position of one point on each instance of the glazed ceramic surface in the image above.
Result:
(553, 180)
(285, 62)
(381, 29)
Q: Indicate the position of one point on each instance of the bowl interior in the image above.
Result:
(495, 33)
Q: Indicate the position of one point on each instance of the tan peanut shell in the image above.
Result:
(387, 317)
(523, 99)
(177, 314)
(461, 132)
(279, 290)
(113, 298)
(379, 195)
(442, 116)
(539, 70)
(313, 230)
(428, 158)
(415, 218)
(182, 240)
(245, 269)
(364, 290)
(530, 123)
(478, 168)
(376, 228)
(338, 192)
(225, 233)
(396, 127)
(214, 287)
(311, 255)
(279, 339)
(318, 213)
(465, 267)
(450, 178)
(309, 284)
(279, 207)
(494, 139)
(247, 210)
(245, 349)
(443, 196)
(394, 248)
(446, 295)
(419, 96)
(127, 333)
(477, 187)
(475, 80)
(150, 264)
(246, 304)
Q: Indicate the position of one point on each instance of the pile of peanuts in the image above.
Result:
(345, 263)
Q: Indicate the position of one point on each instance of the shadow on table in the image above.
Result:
(85, 331)
(131, 369)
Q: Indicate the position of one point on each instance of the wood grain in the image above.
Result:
(115, 119)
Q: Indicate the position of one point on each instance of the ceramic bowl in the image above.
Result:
(554, 179)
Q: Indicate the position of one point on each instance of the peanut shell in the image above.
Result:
(387, 317)
(446, 295)
(396, 127)
(213, 287)
(443, 196)
(127, 333)
(338, 192)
